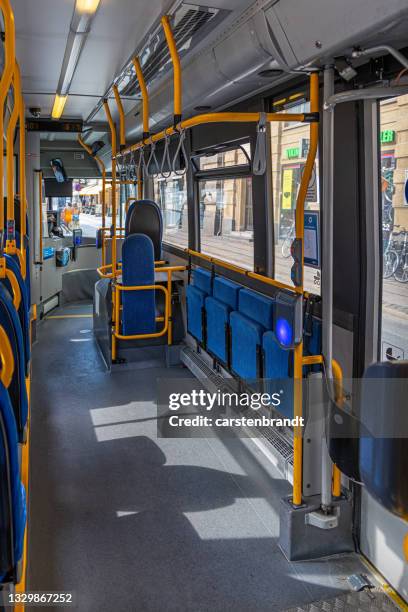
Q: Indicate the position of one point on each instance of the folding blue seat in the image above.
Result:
(12, 494)
(196, 294)
(139, 307)
(23, 311)
(218, 308)
(278, 372)
(254, 317)
(17, 390)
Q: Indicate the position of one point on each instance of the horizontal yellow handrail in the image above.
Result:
(215, 118)
(244, 272)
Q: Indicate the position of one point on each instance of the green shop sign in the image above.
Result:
(387, 136)
(292, 152)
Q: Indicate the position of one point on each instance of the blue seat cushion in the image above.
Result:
(226, 291)
(195, 305)
(10, 485)
(17, 389)
(257, 307)
(202, 280)
(217, 323)
(277, 372)
(139, 307)
(246, 342)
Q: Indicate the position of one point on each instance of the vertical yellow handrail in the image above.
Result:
(114, 151)
(5, 82)
(122, 135)
(145, 96)
(22, 174)
(40, 197)
(298, 353)
(171, 43)
(11, 128)
(338, 389)
(102, 169)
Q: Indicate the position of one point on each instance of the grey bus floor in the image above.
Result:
(128, 521)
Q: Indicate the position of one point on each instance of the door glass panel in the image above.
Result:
(290, 146)
(394, 193)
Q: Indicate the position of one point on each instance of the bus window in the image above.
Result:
(171, 196)
(226, 222)
(394, 207)
(290, 146)
(226, 213)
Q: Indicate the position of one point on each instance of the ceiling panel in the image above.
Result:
(41, 33)
(42, 28)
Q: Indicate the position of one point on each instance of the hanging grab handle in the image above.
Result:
(152, 158)
(180, 149)
(259, 162)
(166, 161)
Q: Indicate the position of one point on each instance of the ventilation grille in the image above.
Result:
(190, 25)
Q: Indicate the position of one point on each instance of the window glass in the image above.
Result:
(290, 146)
(171, 196)
(82, 211)
(226, 220)
(394, 195)
(226, 159)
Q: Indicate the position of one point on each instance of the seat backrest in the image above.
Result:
(23, 311)
(257, 307)
(17, 390)
(226, 291)
(202, 280)
(12, 497)
(139, 308)
(145, 217)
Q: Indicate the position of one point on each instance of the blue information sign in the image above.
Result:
(312, 239)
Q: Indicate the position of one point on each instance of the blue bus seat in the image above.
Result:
(139, 307)
(218, 308)
(17, 389)
(196, 294)
(13, 511)
(145, 217)
(278, 371)
(12, 264)
(254, 317)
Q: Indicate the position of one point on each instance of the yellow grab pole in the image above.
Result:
(22, 175)
(102, 169)
(171, 43)
(40, 197)
(298, 353)
(11, 128)
(5, 82)
(114, 151)
(122, 135)
(338, 388)
(140, 185)
(145, 96)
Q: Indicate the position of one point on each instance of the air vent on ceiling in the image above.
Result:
(190, 25)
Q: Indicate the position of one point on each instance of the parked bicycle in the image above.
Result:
(287, 241)
(390, 254)
(401, 270)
